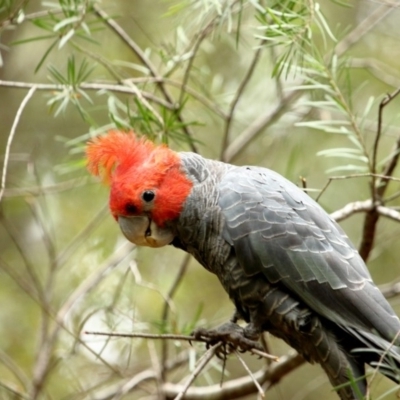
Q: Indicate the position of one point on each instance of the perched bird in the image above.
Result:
(287, 266)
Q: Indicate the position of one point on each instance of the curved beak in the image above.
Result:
(144, 232)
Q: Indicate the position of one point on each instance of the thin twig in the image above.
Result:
(199, 39)
(240, 387)
(366, 25)
(381, 186)
(256, 384)
(385, 101)
(144, 59)
(378, 189)
(388, 212)
(149, 285)
(380, 362)
(253, 130)
(189, 90)
(13, 16)
(89, 86)
(43, 190)
(41, 368)
(12, 366)
(127, 385)
(141, 335)
(264, 354)
(166, 308)
(391, 289)
(30, 279)
(239, 92)
(351, 176)
(142, 99)
(11, 137)
(64, 255)
(155, 361)
(169, 336)
(15, 393)
(208, 355)
(92, 281)
(378, 69)
(350, 209)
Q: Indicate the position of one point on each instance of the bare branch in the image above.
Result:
(385, 101)
(50, 189)
(67, 251)
(208, 355)
(89, 86)
(11, 137)
(92, 281)
(41, 368)
(198, 41)
(15, 369)
(256, 384)
(166, 308)
(165, 336)
(380, 70)
(391, 289)
(239, 92)
(363, 27)
(142, 335)
(240, 387)
(388, 212)
(377, 188)
(350, 209)
(211, 105)
(380, 363)
(144, 59)
(127, 385)
(253, 130)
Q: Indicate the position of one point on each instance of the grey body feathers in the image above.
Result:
(287, 266)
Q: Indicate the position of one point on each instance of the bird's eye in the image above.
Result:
(130, 208)
(148, 196)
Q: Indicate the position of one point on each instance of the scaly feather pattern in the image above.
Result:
(287, 266)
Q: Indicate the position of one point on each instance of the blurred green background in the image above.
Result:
(64, 266)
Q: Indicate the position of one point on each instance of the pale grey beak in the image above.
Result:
(144, 232)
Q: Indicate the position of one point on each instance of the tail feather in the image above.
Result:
(378, 353)
(316, 339)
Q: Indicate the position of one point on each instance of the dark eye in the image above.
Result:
(130, 208)
(148, 195)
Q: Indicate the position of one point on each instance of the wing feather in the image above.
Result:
(280, 231)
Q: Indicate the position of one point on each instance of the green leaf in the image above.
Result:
(66, 37)
(45, 55)
(64, 22)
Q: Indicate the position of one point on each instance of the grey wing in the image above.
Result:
(278, 230)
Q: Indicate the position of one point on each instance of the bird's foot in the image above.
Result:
(232, 336)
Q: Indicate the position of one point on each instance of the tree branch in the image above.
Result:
(262, 122)
(378, 188)
(239, 92)
(89, 86)
(144, 59)
(240, 387)
(11, 137)
(350, 209)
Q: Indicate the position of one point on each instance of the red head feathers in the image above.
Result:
(134, 166)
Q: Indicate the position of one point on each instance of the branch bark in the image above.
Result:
(238, 387)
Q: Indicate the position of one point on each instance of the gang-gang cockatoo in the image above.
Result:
(287, 266)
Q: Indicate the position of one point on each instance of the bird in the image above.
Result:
(287, 266)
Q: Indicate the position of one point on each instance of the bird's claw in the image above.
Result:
(232, 336)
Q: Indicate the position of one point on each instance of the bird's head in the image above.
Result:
(148, 186)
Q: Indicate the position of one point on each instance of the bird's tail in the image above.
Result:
(379, 353)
